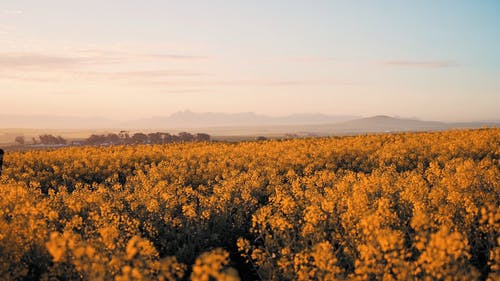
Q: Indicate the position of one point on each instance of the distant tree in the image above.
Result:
(61, 140)
(168, 138)
(34, 140)
(139, 138)
(261, 138)
(48, 139)
(96, 139)
(185, 137)
(124, 135)
(155, 137)
(45, 139)
(176, 138)
(20, 140)
(113, 138)
(202, 137)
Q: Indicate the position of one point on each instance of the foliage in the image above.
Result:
(140, 138)
(51, 140)
(20, 140)
(421, 206)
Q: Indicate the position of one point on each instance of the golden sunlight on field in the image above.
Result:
(413, 206)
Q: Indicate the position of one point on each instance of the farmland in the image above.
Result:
(406, 206)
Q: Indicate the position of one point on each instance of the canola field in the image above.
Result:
(410, 206)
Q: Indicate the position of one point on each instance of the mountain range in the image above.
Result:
(179, 120)
(238, 123)
(188, 119)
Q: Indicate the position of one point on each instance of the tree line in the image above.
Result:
(46, 139)
(124, 137)
(141, 138)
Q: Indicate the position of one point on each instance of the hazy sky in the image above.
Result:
(123, 59)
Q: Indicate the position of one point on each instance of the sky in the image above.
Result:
(126, 59)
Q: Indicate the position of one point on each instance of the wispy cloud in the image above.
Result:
(291, 82)
(171, 71)
(127, 56)
(311, 59)
(11, 12)
(46, 61)
(302, 59)
(5, 29)
(173, 57)
(146, 77)
(27, 78)
(50, 62)
(420, 63)
(153, 74)
(255, 82)
(31, 60)
(182, 91)
(65, 93)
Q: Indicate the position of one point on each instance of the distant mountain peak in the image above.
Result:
(189, 119)
(382, 117)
